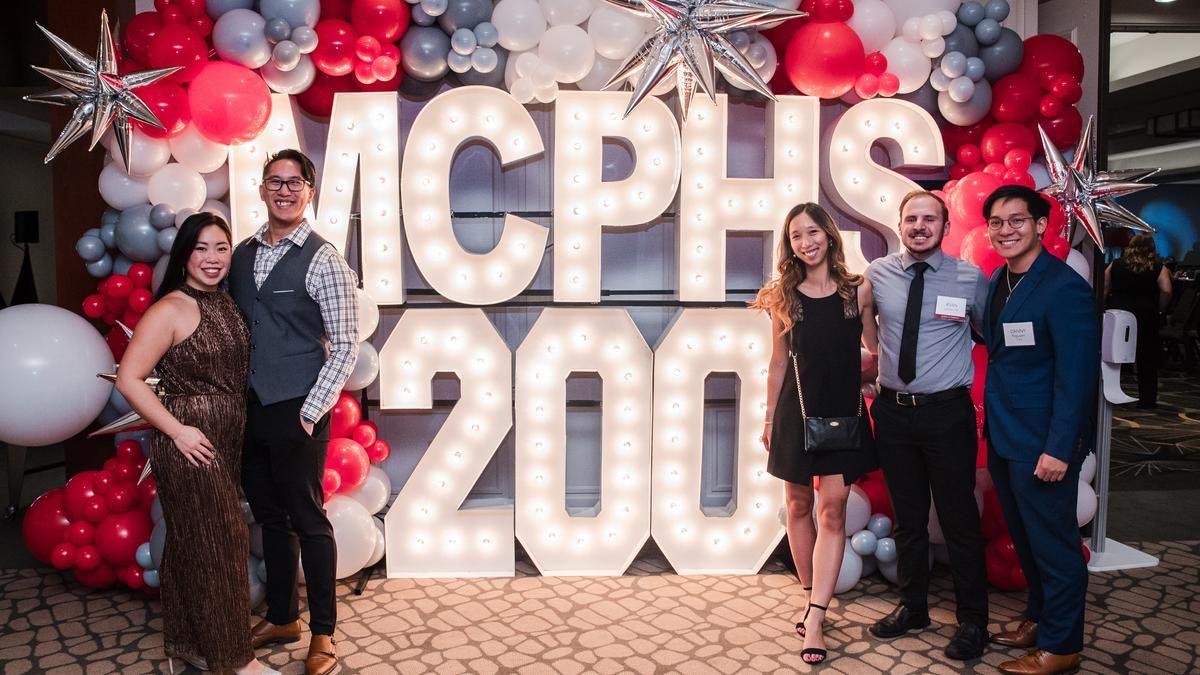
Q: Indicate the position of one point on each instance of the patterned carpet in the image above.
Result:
(649, 621)
(1159, 447)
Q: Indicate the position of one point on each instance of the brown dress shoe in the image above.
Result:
(322, 659)
(1024, 636)
(266, 633)
(1039, 662)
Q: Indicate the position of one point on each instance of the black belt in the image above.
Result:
(907, 400)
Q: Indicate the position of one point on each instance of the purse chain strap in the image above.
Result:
(800, 393)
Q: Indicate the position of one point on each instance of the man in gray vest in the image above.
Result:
(298, 297)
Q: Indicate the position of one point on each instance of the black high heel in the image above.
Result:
(800, 629)
(814, 651)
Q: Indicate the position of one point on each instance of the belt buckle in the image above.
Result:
(912, 400)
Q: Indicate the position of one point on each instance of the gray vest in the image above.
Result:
(287, 334)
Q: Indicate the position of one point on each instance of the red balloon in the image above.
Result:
(1015, 98)
(93, 306)
(889, 84)
(334, 54)
(178, 45)
(1053, 53)
(364, 435)
(977, 250)
(350, 461)
(960, 170)
(121, 498)
(1056, 227)
(966, 200)
(1050, 106)
(87, 558)
(379, 451)
(875, 63)
(1018, 158)
(1067, 89)
(1017, 177)
(367, 48)
(95, 509)
(991, 520)
(330, 482)
(62, 556)
(779, 37)
(172, 16)
(877, 494)
(100, 577)
(80, 533)
(203, 25)
(380, 85)
(45, 524)
(979, 357)
(141, 274)
(169, 103)
(390, 51)
(825, 59)
(192, 9)
(866, 86)
(1003, 137)
(969, 155)
(383, 19)
(118, 287)
(1003, 549)
(1087, 552)
(1064, 129)
(317, 100)
(384, 68)
(955, 136)
(364, 73)
(345, 415)
(831, 10)
(140, 30)
(129, 450)
(130, 318)
(1016, 578)
(994, 169)
(335, 9)
(119, 535)
(1000, 573)
(147, 491)
(230, 103)
(102, 482)
(125, 471)
(78, 490)
(160, 5)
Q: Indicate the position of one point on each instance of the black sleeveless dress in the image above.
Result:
(825, 339)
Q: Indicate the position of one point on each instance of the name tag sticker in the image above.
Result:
(951, 308)
(1018, 334)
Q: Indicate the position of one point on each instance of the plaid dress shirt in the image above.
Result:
(332, 284)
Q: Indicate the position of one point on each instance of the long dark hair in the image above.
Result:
(1141, 254)
(185, 242)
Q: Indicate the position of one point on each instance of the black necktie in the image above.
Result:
(912, 323)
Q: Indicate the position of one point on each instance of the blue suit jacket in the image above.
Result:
(1041, 398)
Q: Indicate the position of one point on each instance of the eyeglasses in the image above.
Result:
(293, 184)
(1016, 222)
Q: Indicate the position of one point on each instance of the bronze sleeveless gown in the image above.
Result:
(205, 592)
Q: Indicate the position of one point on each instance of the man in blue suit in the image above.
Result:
(1043, 340)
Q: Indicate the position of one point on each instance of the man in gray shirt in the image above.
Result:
(926, 303)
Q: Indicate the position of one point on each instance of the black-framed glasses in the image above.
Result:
(1016, 222)
(293, 184)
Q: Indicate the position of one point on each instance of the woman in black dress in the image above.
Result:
(1137, 282)
(817, 324)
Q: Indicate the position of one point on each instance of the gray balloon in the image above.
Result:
(435, 7)
(121, 265)
(492, 78)
(962, 39)
(926, 97)
(216, 8)
(166, 239)
(156, 515)
(420, 18)
(423, 52)
(239, 37)
(142, 556)
(118, 402)
(258, 590)
(975, 68)
(971, 13)
(305, 38)
(101, 268)
(484, 59)
(966, 114)
(987, 32)
(292, 81)
(295, 12)
(277, 29)
(160, 271)
(136, 237)
(286, 56)
(151, 578)
(1004, 56)
(463, 41)
(486, 34)
(108, 234)
(260, 570)
(996, 9)
(90, 248)
(464, 14)
(954, 64)
(109, 217)
(162, 216)
(91, 232)
(158, 541)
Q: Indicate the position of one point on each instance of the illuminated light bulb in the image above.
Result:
(577, 178)
(432, 147)
(675, 405)
(683, 530)
(856, 180)
(254, 148)
(730, 203)
(700, 150)
(605, 203)
(424, 340)
(676, 372)
(474, 427)
(575, 211)
(641, 195)
(628, 376)
(578, 116)
(790, 152)
(657, 161)
(791, 187)
(489, 118)
(612, 117)
(345, 155)
(700, 116)
(380, 147)
(340, 187)
(750, 346)
(758, 505)
(867, 123)
(612, 535)
(845, 148)
(577, 146)
(384, 248)
(382, 212)
(254, 213)
(699, 249)
(407, 364)
(575, 280)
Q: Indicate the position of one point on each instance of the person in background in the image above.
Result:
(817, 322)
(1042, 331)
(193, 335)
(1139, 283)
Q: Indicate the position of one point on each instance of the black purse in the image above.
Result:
(824, 434)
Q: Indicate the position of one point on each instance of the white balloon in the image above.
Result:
(890, 570)
(380, 548)
(522, 89)
(567, 12)
(368, 314)
(365, 370)
(216, 183)
(546, 93)
(178, 187)
(874, 24)
(49, 357)
(146, 154)
(375, 491)
(120, 190)
(597, 77)
(905, 59)
(219, 208)
(293, 81)
(850, 571)
(931, 27)
(1088, 471)
(520, 23)
(615, 32)
(906, 9)
(353, 533)
(948, 19)
(1079, 262)
(858, 509)
(934, 47)
(568, 49)
(1085, 505)
(910, 30)
(961, 89)
(770, 63)
(196, 152)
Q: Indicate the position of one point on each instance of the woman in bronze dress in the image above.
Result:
(193, 335)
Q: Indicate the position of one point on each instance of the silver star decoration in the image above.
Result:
(1088, 195)
(689, 44)
(132, 420)
(102, 99)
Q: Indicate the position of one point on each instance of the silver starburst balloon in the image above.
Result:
(102, 99)
(1088, 195)
(689, 44)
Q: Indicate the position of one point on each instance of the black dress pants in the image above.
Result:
(282, 467)
(931, 449)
